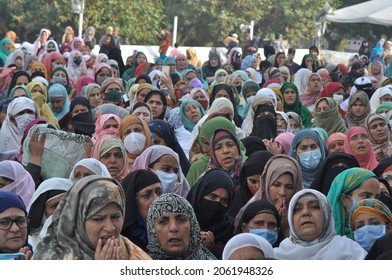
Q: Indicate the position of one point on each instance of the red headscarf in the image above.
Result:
(329, 90)
(368, 161)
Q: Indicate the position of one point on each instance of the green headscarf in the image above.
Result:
(206, 132)
(184, 119)
(25, 89)
(297, 107)
(330, 121)
(4, 53)
(383, 106)
(345, 182)
(62, 69)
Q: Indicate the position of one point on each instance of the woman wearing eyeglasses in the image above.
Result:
(13, 225)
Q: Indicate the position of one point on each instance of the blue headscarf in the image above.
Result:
(247, 62)
(57, 90)
(11, 200)
(308, 175)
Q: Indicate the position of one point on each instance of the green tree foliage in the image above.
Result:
(200, 23)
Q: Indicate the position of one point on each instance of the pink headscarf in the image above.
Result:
(98, 67)
(49, 58)
(22, 185)
(107, 143)
(308, 98)
(83, 81)
(151, 154)
(369, 161)
(335, 137)
(285, 139)
(99, 131)
(77, 39)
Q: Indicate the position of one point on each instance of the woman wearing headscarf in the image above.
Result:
(211, 66)
(357, 143)
(248, 246)
(381, 249)
(332, 165)
(20, 113)
(313, 89)
(76, 232)
(223, 90)
(201, 96)
(111, 152)
(17, 180)
(309, 209)
(370, 220)
(106, 124)
(292, 103)
(248, 92)
(347, 189)
(92, 92)
(249, 180)
(163, 134)
(166, 164)
(264, 121)
(211, 197)
(11, 205)
(43, 204)
(327, 116)
(80, 117)
(301, 79)
(261, 218)
(76, 66)
(280, 180)
(89, 37)
(226, 154)
(171, 207)
(60, 76)
(139, 59)
(191, 112)
(295, 122)
(86, 167)
(141, 188)
(19, 78)
(52, 60)
(309, 150)
(40, 96)
(16, 58)
(382, 95)
(379, 134)
(203, 142)
(134, 132)
(358, 109)
(18, 91)
(5, 50)
(335, 91)
(309, 61)
(58, 101)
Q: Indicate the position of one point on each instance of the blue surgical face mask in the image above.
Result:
(77, 61)
(310, 159)
(269, 235)
(168, 180)
(367, 235)
(355, 202)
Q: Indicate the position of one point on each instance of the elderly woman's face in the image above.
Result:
(81, 172)
(95, 97)
(315, 84)
(14, 238)
(192, 112)
(226, 153)
(308, 219)
(173, 232)
(213, 61)
(105, 224)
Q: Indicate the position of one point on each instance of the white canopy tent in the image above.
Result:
(375, 11)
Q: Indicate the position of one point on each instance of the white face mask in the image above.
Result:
(338, 98)
(168, 180)
(23, 121)
(387, 102)
(134, 143)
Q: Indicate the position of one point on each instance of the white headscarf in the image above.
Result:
(301, 79)
(327, 246)
(93, 165)
(10, 136)
(243, 240)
